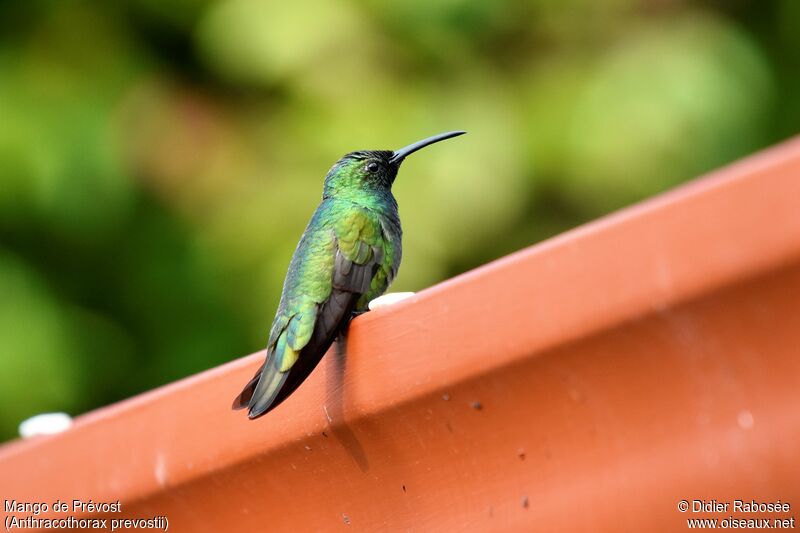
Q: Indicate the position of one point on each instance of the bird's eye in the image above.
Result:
(372, 167)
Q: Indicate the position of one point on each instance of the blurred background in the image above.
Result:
(159, 160)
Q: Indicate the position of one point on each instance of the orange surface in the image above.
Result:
(589, 382)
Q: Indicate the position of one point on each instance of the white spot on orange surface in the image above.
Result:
(389, 299)
(745, 419)
(45, 424)
(160, 470)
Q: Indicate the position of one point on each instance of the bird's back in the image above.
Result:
(347, 255)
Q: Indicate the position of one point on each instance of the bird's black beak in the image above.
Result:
(399, 155)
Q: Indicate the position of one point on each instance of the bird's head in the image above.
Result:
(373, 170)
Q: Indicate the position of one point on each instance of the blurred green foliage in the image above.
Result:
(158, 160)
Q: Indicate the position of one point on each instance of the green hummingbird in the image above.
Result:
(347, 256)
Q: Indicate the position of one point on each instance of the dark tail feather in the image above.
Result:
(243, 400)
(269, 387)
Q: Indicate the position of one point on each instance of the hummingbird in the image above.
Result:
(348, 255)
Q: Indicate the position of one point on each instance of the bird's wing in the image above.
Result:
(299, 338)
(359, 251)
